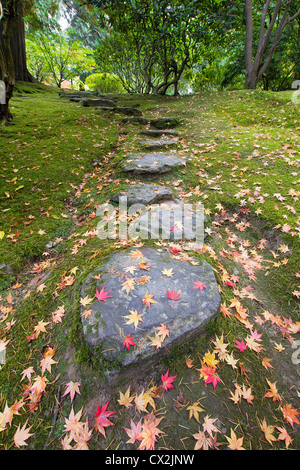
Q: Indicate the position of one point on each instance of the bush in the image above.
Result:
(104, 83)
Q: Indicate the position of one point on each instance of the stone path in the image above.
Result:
(148, 300)
(152, 163)
(174, 311)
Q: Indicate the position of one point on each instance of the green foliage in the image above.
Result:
(53, 58)
(104, 83)
(116, 55)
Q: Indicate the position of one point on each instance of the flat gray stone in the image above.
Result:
(96, 102)
(144, 194)
(136, 120)
(170, 220)
(153, 163)
(158, 144)
(165, 122)
(129, 111)
(78, 94)
(108, 324)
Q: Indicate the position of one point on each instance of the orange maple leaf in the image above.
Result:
(290, 414)
(148, 300)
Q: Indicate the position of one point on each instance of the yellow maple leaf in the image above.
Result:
(86, 301)
(234, 442)
(134, 318)
(210, 359)
(268, 431)
(194, 410)
(126, 398)
(168, 272)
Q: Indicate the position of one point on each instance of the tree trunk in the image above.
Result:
(14, 26)
(6, 59)
(18, 50)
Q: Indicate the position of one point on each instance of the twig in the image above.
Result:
(54, 416)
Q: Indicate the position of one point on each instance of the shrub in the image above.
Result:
(104, 83)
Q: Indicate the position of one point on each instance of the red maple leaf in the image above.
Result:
(167, 381)
(211, 376)
(102, 420)
(199, 285)
(128, 342)
(102, 295)
(240, 345)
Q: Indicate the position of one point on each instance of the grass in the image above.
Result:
(244, 169)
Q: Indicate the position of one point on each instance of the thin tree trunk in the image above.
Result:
(6, 58)
(255, 68)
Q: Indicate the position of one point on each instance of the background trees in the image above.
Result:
(163, 39)
(152, 46)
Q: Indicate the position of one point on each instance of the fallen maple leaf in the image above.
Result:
(134, 318)
(102, 295)
(290, 414)
(273, 393)
(126, 398)
(225, 311)
(234, 442)
(72, 388)
(168, 272)
(199, 285)
(46, 364)
(134, 432)
(194, 410)
(21, 435)
(86, 301)
(210, 376)
(284, 436)
(167, 381)
(268, 431)
(27, 373)
(203, 442)
(102, 420)
(266, 363)
(209, 426)
(172, 295)
(148, 300)
(240, 345)
(149, 432)
(73, 424)
(128, 342)
(162, 331)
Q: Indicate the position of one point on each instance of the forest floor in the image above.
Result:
(59, 161)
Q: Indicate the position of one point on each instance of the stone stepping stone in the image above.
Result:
(137, 283)
(158, 144)
(172, 220)
(159, 132)
(136, 120)
(121, 109)
(77, 94)
(144, 194)
(165, 122)
(97, 102)
(129, 111)
(153, 163)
